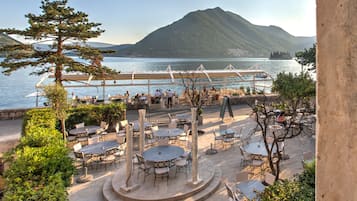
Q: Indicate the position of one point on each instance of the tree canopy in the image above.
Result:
(294, 88)
(307, 57)
(67, 30)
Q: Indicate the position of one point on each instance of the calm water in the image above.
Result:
(14, 88)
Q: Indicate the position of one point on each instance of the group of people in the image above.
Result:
(159, 95)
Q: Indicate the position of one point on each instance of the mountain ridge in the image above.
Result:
(215, 33)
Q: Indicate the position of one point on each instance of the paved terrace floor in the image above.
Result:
(227, 160)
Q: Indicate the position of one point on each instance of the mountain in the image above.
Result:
(215, 33)
(7, 40)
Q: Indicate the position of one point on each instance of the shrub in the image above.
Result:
(38, 118)
(94, 114)
(302, 188)
(40, 167)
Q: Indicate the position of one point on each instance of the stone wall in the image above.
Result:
(336, 100)
(12, 113)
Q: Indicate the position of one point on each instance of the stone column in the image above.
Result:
(336, 100)
(195, 178)
(129, 185)
(141, 129)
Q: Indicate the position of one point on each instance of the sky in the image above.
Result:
(129, 21)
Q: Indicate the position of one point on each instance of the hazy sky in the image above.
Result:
(128, 21)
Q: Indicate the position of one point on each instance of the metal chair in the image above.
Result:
(217, 137)
(80, 125)
(162, 169)
(143, 166)
(231, 194)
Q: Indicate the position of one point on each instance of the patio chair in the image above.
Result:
(246, 158)
(231, 194)
(183, 138)
(103, 128)
(237, 133)
(80, 125)
(171, 119)
(143, 166)
(122, 124)
(181, 165)
(109, 158)
(93, 140)
(223, 127)
(161, 169)
(217, 138)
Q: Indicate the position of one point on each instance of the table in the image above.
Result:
(163, 153)
(257, 148)
(99, 148)
(168, 132)
(85, 129)
(250, 187)
(136, 125)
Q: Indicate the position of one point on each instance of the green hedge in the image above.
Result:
(94, 114)
(38, 118)
(40, 167)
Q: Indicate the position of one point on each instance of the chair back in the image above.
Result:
(154, 128)
(269, 178)
(80, 125)
(172, 124)
(186, 128)
(140, 158)
(163, 141)
(93, 140)
(104, 125)
(170, 117)
(77, 147)
(242, 176)
(123, 123)
(162, 164)
(79, 155)
(223, 127)
(230, 192)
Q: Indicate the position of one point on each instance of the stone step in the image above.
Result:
(108, 191)
(210, 189)
(203, 191)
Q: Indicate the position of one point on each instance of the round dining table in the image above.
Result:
(257, 148)
(168, 132)
(85, 129)
(99, 148)
(163, 153)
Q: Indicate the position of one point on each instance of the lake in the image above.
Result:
(15, 87)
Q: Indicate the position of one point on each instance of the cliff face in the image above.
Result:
(215, 33)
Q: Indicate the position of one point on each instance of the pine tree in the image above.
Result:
(67, 29)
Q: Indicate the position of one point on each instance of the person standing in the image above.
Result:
(169, 98)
